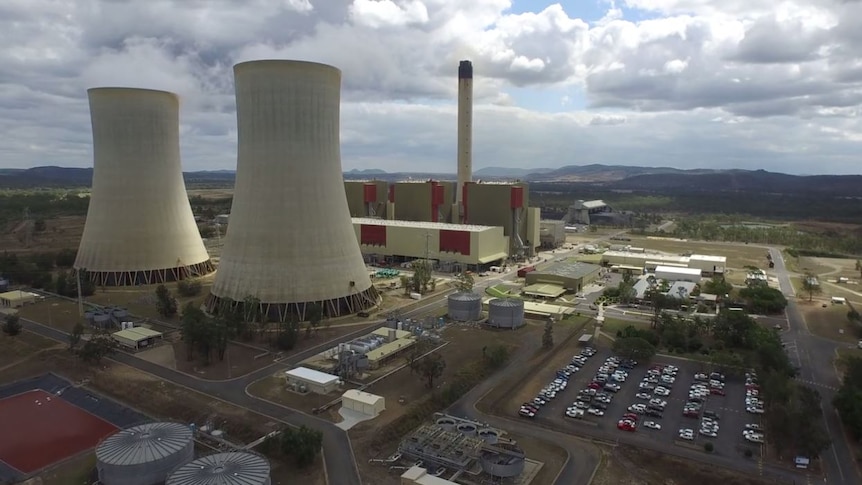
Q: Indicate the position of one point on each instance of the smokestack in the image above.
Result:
(465, 129)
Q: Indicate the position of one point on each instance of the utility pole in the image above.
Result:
(80, 299)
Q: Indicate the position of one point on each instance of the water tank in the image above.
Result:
(232, 468)
(506, 313)
(393, 334)
(504, 460)
(360, 347)
(400, 326)
(102, 320)
(447, 424)
(145, 454)
(489, 435)
(4, 284)
(120, 314)
(467, 429)
(90, 316)
(465, 307)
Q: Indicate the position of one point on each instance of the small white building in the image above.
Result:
(137, 337)
(671, 273)
(304, 379)
(708, 264)
(363, 402)
(838, 300)
(17, 298)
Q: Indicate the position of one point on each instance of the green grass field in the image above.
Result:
(738, 255)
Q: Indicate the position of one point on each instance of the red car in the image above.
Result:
(626, 425)
(594, 385)
(630, 417)
(718, 392)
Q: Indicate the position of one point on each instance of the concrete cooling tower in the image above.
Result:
(140, 228)
(290, 241)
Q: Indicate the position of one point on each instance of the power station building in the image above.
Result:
(429, 201)
(396, 241)
(507, 206)
(368, 199)
(291, 241)
(140, 229)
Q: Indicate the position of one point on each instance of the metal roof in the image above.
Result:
(421, 225)
(465, 296)
(594, 204)
(233, 468)
(311, 375)
(677, 270)
(507, 302)
(707, 257)
(570, 270)
(136, 334)
(144, 444)
(363, 397)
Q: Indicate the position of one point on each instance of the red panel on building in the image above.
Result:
(372, 235)
(455, 242)
(369, 193)
(392, 193)
(517, 197)
(436, 195)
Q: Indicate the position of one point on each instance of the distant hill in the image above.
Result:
(367, 171)
(602, 173)
(509, 172)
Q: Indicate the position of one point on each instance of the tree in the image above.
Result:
(97, 347)
(302, 444)
(75, 336)
(166, 304)
(718, 286)
(288, 334)
(464, 282)
(314, 313)
(11, 325)
(810, 285)
(430, 367)
(496, 356)
(548, 335)
(189, 287)
(634, 348)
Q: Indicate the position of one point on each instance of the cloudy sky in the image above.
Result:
(772, 84)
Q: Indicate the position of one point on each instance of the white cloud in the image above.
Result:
(742, 83)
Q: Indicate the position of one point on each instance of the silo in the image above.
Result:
(145, 454)
(140, 228)
(232, 468)
(506, 313)
(504, 460)
(120, 314)
(291, 240)
(102, 320)
(465, 306)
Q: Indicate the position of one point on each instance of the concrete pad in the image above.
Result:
(351, 418)
(163, 355)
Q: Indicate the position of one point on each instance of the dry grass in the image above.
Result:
(76, 471)
(273, 389)
(655, 468)
(830, 322)
(60, 233)
(212, 194)
(552, 457)
(55, 312)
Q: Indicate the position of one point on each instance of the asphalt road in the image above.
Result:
(814, 356)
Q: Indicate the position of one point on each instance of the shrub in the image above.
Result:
(190, 287)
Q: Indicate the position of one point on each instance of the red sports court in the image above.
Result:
(38, 429)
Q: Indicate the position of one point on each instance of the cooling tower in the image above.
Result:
(465, 127)
(140, 228)
(290, 241)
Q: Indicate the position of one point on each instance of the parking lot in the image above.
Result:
(730, 408)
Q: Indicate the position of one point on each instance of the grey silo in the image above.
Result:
(506, 313)
(465, 306)
(140, 228)
(144, 454)
(231, 468)
(291, 241)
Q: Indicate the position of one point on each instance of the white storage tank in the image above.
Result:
(232, 468)
(506, 313)
(465, 306)
(144, 454)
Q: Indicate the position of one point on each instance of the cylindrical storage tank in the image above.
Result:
(4, 284)
(465, 307)
(102, 320)
(145, 454)
(361, 348)
(400, 326)
(120, 314)
(447, 424)
(489, 435)
(393, 334)
(90, 316)
(467, 429)
(505, 463)
(506, 313)
(232, 468)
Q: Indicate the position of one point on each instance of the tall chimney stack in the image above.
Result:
(465, 130)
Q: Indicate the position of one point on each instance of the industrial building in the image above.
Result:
(140, 228)
(398, 241)
(552, 234)
(363, 402)
(136, 338)
(429, 201)
(144, 454)
(671, 273)
(587, 211)
(568, 276)
(507, 206)
(368, 199)
(650, 261)
(290, 241)
(303, 379)
(229, 468)
(17, 299)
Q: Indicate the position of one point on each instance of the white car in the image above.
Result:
(661, 391)
(575, 413)
(637, 408)
(753, 437)
(658, 402)
(754, 410)
(753, 427)
(708, 432)
(643, 395)
(651, 425)
(596, 412)
(686, 434)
